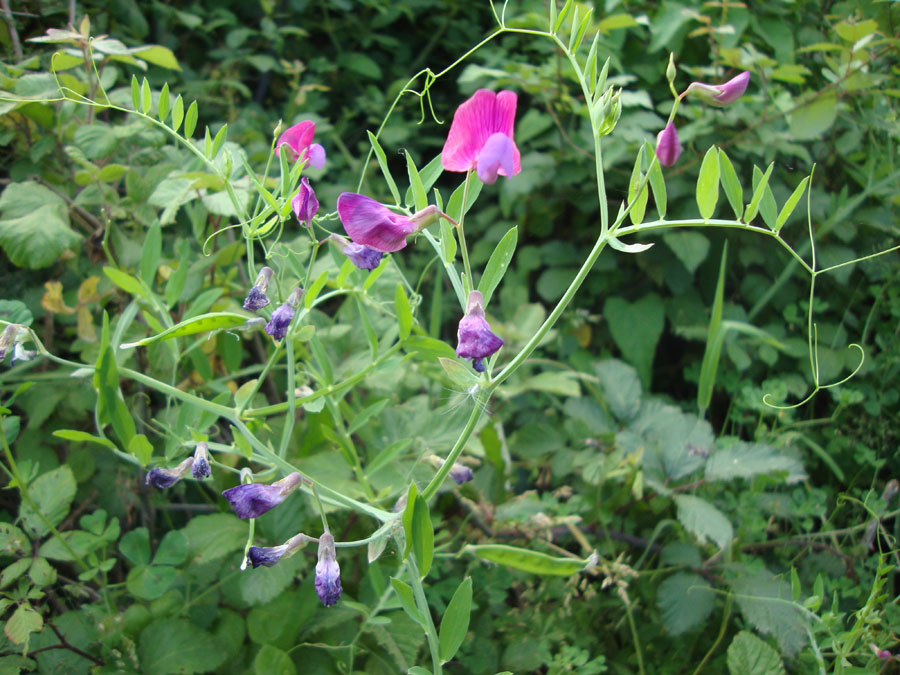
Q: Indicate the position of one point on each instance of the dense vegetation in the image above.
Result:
(692, 470)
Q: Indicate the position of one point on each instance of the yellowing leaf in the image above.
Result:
(87, 292)
(53, 300)
(86, 329)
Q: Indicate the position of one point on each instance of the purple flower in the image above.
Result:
(476, 341)
(268, 556)
(257, 298)
(251, 500)
(200, 467)
(460, 473)
(328, 572)
(721, 94)
(373, 225)
(21, 354)
(668, 148)
(305, 203)
(481, 136)
(363, 257)
(161, 478)
(8, 338)
(282, 317)
(12, 338)
(297, 140)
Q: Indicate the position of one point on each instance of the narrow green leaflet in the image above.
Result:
(423, 536)
(455, 623)
(791, 204)
(151, 253)
(454, 205)
(582, 29)
(111, 406)
(198, 324)
(708, 184)
(83, 437)
(135, 92)
(219, 141)
(407, 600)
(731, 184)
(315, 288)
(190, 120)
(534, 562)
(448, 243)
(416, 187)
(177, 113)
(382, 162)
(126, 282)
(146, 97)
(768, 208)
(714, 339)
(162, 106)
(562, 16)
(404, 314)
(407, 517)
(753, 206)
(657, 184)
(640, 199)
(498, 264)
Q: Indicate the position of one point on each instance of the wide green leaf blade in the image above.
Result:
(423, 536)
(704, 520)
(382, 162)
(748, 655)
(534, 562)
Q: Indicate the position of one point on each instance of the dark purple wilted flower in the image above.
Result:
(376, 226)
(200, 467)
(251, 500)
(257, 298)
(328, 572)
(161, 478)
(282, 317)
(363, 257)
(476, 341)
(304, 203)
(481, 137)
(12, 338)
(668, 147)
(721, 94)
(458, 472)
(298, 142)
(268, 556)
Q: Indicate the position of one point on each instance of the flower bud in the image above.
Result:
(668, 147)
(161, 478)
(476, 341)
(721, 94)
(304, 203)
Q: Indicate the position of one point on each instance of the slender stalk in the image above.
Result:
(422, 604)
(438, 478)
(468, 283)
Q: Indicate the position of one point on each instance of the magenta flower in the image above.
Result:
(721, 94)
(476, 341)
(481, 137)
(251, 500)
(304, 203)
(371, 224)
(257, 298)
(668, 147)
(328, 572)
(298, 140)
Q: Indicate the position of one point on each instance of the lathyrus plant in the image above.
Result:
(332, 310)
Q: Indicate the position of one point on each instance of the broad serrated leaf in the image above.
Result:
(685, 600)
(748, 655)
(746, 460)
(704, 520)
(708, 184)
(765, 602)
(52, 494)
(177, 646)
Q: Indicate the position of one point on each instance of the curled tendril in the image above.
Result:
(767, 398)
(218, 232)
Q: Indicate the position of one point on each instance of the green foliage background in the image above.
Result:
(757, 553)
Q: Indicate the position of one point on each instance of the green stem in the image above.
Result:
(635, 638)
(468, 283)
(291, 398)
(422, 603)
(438, 478)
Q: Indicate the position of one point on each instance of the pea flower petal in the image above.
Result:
(473, 142)
(668, 147)
(297, 142)
(304, 203)
(476, 340)
(251, 500)
(328, 572)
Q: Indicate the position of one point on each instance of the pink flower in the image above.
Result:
(721, 94)
(298, 140)
(668, 148)
(304, 203)
(481, 137)
(373, 225)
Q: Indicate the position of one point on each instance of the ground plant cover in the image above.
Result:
(449, 337)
